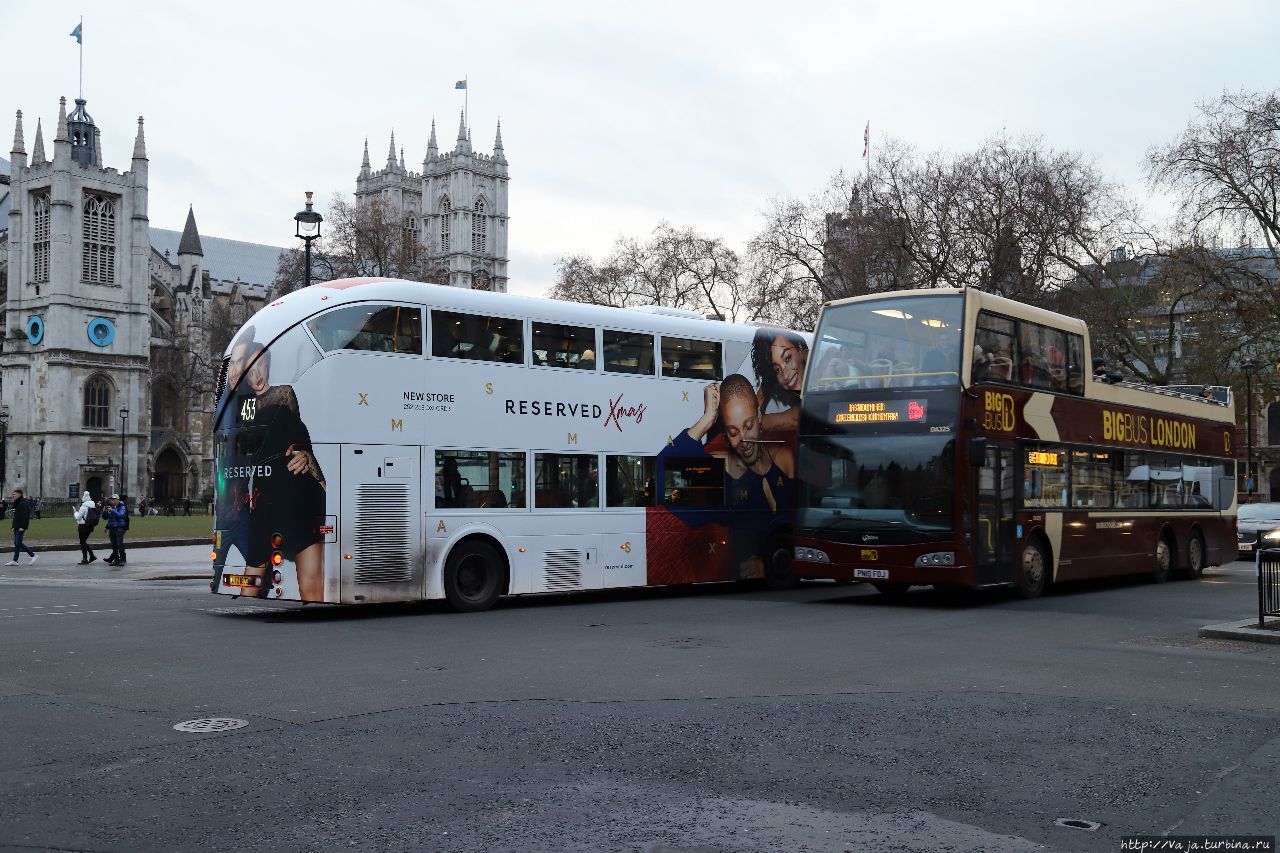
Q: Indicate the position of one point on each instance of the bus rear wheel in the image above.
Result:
(1033, 570)
(473, 577)
(1195, 556)
(777, 563)
(1163, 559)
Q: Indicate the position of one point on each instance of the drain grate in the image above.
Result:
(210, 724)
(1077, 823)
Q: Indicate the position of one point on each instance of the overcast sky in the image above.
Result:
(612, 119)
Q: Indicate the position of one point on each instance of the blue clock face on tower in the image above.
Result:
(35, 330)
(101, 331)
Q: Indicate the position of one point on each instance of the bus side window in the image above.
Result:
(629, 481)
(555, 345)
(685, 358)
(477, 337)
(628, 352)
(372, 328)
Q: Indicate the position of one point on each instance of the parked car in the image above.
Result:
(1257, 526)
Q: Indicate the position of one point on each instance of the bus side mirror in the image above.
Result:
(976, 450)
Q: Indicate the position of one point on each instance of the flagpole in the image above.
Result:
(466, 101)
(80, 41)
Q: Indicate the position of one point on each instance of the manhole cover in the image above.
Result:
(1077, 823)
(212, 724)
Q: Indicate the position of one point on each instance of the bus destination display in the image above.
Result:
(879, 412)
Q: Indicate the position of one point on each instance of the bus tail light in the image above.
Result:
(276, 540)
(213, 557)
(812, 555)
(276, 558)
(936, 558)
(276, 577)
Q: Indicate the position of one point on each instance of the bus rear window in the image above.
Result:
(373, 328)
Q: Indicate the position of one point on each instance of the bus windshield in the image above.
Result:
(877, 482)
(895, 342)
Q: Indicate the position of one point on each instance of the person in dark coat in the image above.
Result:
(21, 521)
(116, 524)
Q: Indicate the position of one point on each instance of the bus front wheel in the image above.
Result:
(1033, 570)
(1163, 559)
(1195, 556)
(473, 576)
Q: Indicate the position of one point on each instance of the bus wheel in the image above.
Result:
(893, 591)
(777, 563)
(1195, 556)
(473, 576)
(1033, 571)
(1164, 560)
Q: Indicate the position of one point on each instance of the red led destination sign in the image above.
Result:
(879, 412)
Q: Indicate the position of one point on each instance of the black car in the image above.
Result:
(1257, 526)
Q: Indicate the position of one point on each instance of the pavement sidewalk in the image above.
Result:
(164, 560)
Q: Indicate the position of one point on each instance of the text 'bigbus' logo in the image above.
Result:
(998, 411)
(1146, 430)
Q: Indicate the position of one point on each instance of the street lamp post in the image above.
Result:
(40, 491)
(1250, 367)
(308, 229)
(124, 419)
(4, 444)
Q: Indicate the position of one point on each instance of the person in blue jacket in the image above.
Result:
(117, 522)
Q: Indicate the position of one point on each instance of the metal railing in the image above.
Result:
(1268, 585)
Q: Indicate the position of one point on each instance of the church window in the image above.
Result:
(99, 250)
(40, 209)
(445, 210)
(411, 230)
(479, 225)
(97, 403)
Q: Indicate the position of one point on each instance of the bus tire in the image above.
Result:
(777, 563)
(1163, 559)
(1033, 570)
(1195, 556)
(892, 591)
(474, 576)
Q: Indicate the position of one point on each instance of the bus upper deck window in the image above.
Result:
(628, 352)
(373, 328)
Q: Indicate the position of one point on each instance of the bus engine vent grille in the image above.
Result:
(564, 569)
(383, 552)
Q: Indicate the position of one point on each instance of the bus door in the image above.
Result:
(381, 523)
(993, 535)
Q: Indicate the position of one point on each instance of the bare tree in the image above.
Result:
(360, 238)
(675, 267)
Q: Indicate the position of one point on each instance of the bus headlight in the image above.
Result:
(936, 558)
(812, 555)
(1274, 536)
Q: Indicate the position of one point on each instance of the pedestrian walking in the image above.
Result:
(21, 521)
(86, 516)
(117, 518)
(186, 506)
(4, 509)
(38, 508)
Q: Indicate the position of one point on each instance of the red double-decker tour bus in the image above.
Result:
(955, 438)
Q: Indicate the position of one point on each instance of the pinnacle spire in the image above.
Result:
(140, 143)
(431, 143)
(364, 165)
(497, 139)
(462, 127)
(19, 145)
(37, 151)
(62, 136)
(402, 158)
(190, 242)
(391, 152)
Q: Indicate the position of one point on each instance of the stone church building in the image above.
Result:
(106, 375)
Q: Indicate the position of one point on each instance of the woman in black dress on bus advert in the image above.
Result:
(290, 501)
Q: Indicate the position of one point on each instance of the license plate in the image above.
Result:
(874, 574)
(1245, 546)
(241, 580)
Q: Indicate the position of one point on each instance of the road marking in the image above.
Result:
(45, 612)
(38, 607)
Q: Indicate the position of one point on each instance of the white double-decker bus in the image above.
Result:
(382, 440)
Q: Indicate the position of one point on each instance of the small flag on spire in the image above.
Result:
(866, 141)
(461, 84)
(78, 33)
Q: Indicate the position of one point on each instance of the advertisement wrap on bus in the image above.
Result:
(383, 440)
(954, 438)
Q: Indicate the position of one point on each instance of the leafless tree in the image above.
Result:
(365, 238)
(675, 267)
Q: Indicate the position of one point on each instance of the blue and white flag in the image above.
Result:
(461, 84)
(77, 33)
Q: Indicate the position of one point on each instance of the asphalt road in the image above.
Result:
(821, 718)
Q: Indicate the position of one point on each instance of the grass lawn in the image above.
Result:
(63, 528)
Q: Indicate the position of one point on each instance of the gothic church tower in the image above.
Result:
(77, 327)
(456, 208)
